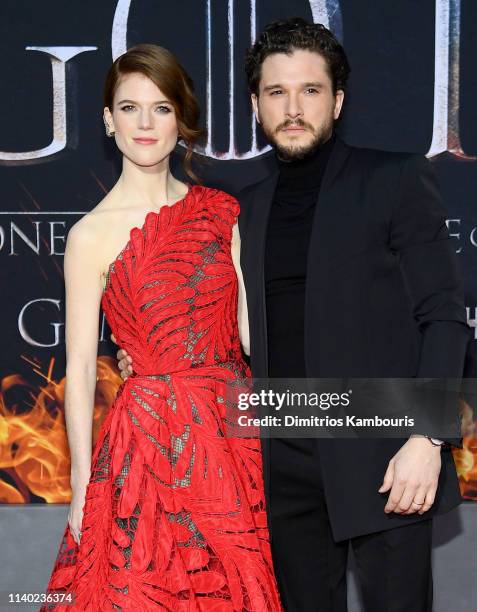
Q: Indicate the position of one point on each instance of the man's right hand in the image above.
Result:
(124, 361)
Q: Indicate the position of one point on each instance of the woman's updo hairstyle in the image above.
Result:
(163, 69)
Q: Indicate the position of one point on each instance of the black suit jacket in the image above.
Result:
(384, 298)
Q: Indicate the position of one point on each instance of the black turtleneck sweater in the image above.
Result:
(286, 254)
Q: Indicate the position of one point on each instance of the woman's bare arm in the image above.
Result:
(242, 297)
(83, 296)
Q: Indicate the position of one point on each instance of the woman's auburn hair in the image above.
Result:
(165, 71)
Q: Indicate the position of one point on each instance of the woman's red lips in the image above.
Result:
(145, 140)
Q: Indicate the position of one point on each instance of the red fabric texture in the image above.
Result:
(174, 516)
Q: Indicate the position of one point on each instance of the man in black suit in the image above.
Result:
(349, 272)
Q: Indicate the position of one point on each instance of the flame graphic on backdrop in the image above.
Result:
(34, 446)
(33, 442)
(466, 458)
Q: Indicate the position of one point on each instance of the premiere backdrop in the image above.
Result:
(413, 88)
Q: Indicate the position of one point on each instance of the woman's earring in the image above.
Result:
(109, 132)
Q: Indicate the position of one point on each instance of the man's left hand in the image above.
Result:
(412, 476)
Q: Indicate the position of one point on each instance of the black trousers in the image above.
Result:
(393, 567)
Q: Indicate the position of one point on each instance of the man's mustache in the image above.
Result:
(296, 123)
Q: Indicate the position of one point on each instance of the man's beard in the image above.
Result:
(296, 153)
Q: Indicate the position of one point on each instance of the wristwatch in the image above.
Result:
(435, 441)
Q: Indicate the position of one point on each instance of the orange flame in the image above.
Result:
(33, 443)
(466, 458)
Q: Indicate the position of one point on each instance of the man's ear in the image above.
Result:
(339, 99)
(254, 101)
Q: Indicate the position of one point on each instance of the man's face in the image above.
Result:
(296, 106)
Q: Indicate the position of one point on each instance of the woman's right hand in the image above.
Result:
(75, 515)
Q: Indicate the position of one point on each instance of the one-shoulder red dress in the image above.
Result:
(174, 517)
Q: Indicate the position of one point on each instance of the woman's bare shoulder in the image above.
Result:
(92, 229)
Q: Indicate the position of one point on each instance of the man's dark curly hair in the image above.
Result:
(296, 33)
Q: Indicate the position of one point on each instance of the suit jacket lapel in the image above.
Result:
(338, 157)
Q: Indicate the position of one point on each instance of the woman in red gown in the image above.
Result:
(168, 511)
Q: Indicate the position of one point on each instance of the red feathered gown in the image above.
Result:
(174, 517)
